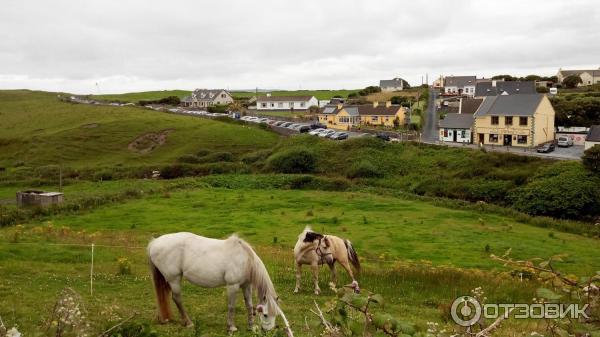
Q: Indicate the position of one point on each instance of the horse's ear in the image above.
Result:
(326, 241)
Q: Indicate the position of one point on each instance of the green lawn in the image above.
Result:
(414, 253)
(135, 97)
(38, 129)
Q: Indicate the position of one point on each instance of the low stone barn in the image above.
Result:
(39, 198)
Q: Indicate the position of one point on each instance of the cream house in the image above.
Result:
(588, 76)
(514, 120)
(203, 98)
(347, 116)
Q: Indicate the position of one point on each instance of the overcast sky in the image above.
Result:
(290, 44)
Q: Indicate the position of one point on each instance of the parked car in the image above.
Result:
(292, 126)
(286, 124)
(263, 120)
(546, 148)
(315, 126)
(272, 122)
(383, 136)
(304, 128)
(278, 123)
(339, 136)
(316, 131)
(564, 141)
(325, 133)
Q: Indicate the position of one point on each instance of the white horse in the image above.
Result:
(212, 263)
(316, 249)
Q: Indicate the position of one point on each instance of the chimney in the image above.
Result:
(388, 104)
(493, 83)
(375, 104)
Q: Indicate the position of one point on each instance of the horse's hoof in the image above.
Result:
(296, 290)
(188, 324)
(231, 330)
(318, 291)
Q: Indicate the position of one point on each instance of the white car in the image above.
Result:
(564, 141)
(326, 133)
(316, 131)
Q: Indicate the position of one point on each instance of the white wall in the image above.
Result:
(388, 89)
(459, 138)
(590, 144)
(286, 105)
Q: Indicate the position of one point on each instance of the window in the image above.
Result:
(463, 134)
(508, 120)
(495, 120)
(522, 139)
(303, 104)
(374, 119)
(291, 104)
(445, 133)
(280, 105)
(264, 105)
(493, 137)
(523, 121)
(272, 105)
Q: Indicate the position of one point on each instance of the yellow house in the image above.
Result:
(514, 120)
(347, 116)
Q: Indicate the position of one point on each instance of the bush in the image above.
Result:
(542, 90)
(591, 159)
(564, 190)
(363, 169)
(294, 160)
(257, 156)
(216, 157)
(189, 159)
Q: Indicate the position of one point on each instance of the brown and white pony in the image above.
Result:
(212, 263)
(316, 249)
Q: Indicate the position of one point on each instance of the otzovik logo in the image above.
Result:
(465, 311)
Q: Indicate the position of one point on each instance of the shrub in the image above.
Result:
(253, 157)
(216, 157)
(363, 169)
(188, 158)
(563, 190)
(293, 160)
(591, 159)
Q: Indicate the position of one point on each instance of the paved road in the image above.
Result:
(430, 129)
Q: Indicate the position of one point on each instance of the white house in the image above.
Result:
(269, 102)
(460, 85)
(588, 76)
(593, 138)
(203, 98)
(396, 84)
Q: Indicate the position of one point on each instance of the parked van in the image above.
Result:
(564, 141)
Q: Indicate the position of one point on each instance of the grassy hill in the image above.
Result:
(418, 256)
(155, 95)
(38, 129)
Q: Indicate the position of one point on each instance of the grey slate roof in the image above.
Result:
(510, 105)
(459, 81)
(396, 82)
(508, 87)
(470, 105)
(284, 98)
(457, 121)
(203, 95)
(594, 134)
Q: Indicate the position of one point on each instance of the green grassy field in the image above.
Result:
(155, 95)
(37, 129)
(417, 255)
(135, 97)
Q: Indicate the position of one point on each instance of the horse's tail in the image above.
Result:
(352, 256)
(163, 293)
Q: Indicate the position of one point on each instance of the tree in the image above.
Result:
(532, 78)
(572, 81)
(504, 77)
(591, 159)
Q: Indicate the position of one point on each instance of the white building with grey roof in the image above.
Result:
(287, 103)
(395, 84)
(203, 98)
(460, 85)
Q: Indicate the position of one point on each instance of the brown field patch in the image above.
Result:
(149, 141)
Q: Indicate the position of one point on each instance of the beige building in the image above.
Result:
(588, 77)
(203, 98)
(514, 120)
(376, 114)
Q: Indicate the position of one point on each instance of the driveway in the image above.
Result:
(430, 128)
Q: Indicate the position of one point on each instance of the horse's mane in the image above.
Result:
(259, 277)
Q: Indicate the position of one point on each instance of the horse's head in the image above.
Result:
(267, 313)
(324, 250)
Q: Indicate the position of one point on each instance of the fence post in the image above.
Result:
(92, 273)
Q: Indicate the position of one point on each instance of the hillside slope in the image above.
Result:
(38, 129)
